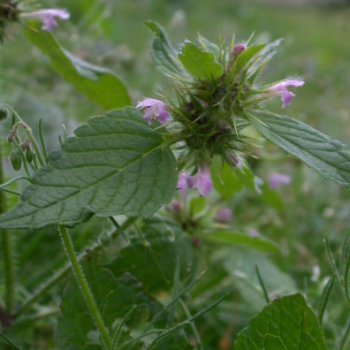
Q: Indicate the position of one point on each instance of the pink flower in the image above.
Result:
(281, 89)
(277, 180)
(223, 215)
(153, 110)
(47, 17)
(184, 181)
(201, 182)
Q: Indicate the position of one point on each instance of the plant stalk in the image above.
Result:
(64, 271)
(84, 287)
(8, 252)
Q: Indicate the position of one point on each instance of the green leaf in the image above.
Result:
(161, 246)
(262, 59)
(250, 53)
(318, 151)
(98, 84)
(228, 180)
(115, 165)
(200, 64)
(239, 239)
(163, 53)
(117, 297)
(241, 262)
(287, 323)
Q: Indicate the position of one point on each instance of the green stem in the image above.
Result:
(8, 252)
(64, 271)
(345, 335)
(84, 287)
(192, 324)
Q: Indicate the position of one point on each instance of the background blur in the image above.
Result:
(316, 46)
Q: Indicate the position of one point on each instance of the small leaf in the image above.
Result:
(250, 53)
(287, 323)
(115, 165)
(163, 53)
(228, 180)
(98, 84)
(200, 64)
(318, 151)
(239, 239)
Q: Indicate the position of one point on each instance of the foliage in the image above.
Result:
(243, 266)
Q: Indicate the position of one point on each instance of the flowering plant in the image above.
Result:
(130, 173)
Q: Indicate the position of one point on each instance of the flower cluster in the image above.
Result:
(214, 103)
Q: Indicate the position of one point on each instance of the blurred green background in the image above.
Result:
(316, 46)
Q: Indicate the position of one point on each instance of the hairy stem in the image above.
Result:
(84, 287)
(8, 252)
(64, 271)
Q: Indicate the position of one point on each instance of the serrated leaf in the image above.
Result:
(240, 239)
(288, 322)
(161, 250)
(200, 64)
(115, 165)
(163, 53)
(318, 151)
(98, 84)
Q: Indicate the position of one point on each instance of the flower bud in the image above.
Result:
(12, 135)
(16, 160)
(3, 113)
(29, 155)
(223, 216)
(238, 49)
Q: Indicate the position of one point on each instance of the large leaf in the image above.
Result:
(163, 246)
(163, 53)
(286, 324)
(114, 165)
(200, 64)
(328, 157)
(98, 84)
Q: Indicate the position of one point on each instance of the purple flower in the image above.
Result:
(281, 89)
(277, 180)
(175, 206)
(184, 181)
(153, 110)
(47, 17)
(203, 181)
(223, 215)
